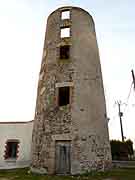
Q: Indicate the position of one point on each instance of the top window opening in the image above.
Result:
(65, 14)
(65, 32)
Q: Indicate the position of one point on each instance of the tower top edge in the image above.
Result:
(64, 8)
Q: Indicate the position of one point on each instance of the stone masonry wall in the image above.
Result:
(83, 122)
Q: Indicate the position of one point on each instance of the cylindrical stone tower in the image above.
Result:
(70, 133)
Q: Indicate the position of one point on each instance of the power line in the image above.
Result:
(127, 100)
(133, 76)
(119, 103)
(120, 113)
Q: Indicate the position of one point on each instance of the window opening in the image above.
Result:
(64, 96)
(64, 52)
(11, 149)
(65, 14)
(65, 32)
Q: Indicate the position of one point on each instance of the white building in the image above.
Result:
(15, 144)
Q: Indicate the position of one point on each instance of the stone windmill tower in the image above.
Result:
(70, 133)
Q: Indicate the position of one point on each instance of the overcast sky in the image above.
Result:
(22, 31)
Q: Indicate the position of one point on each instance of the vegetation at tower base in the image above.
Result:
(24, 174)
(121, 150)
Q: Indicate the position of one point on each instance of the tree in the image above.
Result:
(121, 150)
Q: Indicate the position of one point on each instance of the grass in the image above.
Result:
(115, 174)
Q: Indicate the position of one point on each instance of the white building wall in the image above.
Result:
(21, 131)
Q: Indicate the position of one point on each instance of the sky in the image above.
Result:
(22, 32)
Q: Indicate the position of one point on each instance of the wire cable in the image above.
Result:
(127, 101)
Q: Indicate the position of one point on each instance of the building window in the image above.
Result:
(65, 32)
(64, 52)
(11, 149)
(64, 96)
(65, 14)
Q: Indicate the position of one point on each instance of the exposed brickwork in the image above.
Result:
(83, 122)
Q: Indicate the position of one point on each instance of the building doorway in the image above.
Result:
(63, 157)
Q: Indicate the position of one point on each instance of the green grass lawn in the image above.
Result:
(22, 174)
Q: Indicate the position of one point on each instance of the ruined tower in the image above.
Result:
(70, 133)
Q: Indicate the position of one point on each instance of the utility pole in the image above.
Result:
(120, 116)
(133, 76)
